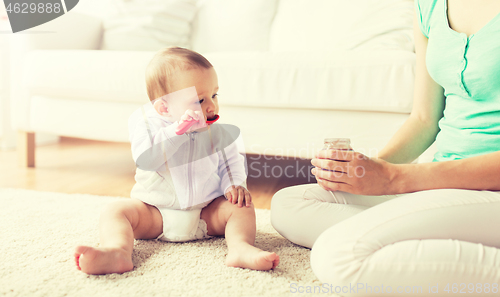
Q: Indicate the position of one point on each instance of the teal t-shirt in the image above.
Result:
(468, 69)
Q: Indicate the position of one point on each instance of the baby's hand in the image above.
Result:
(240, 195)
(193, 115)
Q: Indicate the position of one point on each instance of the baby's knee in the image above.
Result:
(119, 208)
(234, 208)
(229, 209)
(112, 208)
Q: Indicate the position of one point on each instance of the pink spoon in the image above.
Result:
(184, 126)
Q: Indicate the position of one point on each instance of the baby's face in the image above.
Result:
(206, 84)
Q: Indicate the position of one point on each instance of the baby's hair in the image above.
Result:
(165, 64)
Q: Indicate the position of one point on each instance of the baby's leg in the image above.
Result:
(120, 223)
(238, 225)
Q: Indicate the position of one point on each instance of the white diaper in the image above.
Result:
(182, 225)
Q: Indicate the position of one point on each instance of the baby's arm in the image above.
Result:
(232, 171)
(152, 142)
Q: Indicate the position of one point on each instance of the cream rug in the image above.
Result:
(39, 230)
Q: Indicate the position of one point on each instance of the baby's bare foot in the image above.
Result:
(102, 260)
(247, 256)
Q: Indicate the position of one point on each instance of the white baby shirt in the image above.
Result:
(183, 171)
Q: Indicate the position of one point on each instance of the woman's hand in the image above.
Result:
(353, 172)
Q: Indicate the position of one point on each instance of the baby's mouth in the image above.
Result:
(213, 119)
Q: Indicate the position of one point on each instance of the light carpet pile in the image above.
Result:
(39, 230)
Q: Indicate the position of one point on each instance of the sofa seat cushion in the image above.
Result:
(343, 80)
(367, 81)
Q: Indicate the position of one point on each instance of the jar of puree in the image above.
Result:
(337, 144)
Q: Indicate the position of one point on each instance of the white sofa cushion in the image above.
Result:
(149, 25)
(232, 25)
(304, 25)
(369, 81)
(341, 80)
(300, 133)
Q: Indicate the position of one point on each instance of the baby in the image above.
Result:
(189, 186)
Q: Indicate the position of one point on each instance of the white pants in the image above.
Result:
(429, 243)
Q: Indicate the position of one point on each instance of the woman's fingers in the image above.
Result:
(334, 176)
(334, 186)
(340, 155)
(331, 165)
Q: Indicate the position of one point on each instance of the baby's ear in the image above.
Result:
(161, 107)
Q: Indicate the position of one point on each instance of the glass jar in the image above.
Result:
(337, 144)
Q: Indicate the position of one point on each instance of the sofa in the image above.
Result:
(291, 72)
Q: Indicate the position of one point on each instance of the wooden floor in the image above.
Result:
(107, 168)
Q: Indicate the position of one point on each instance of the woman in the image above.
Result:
(444, 230)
